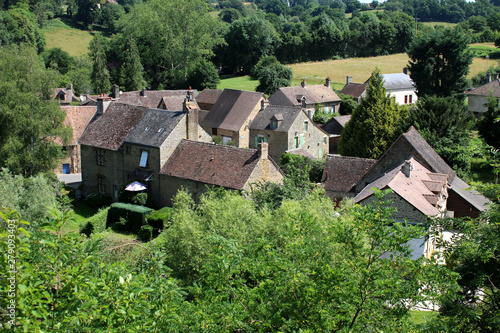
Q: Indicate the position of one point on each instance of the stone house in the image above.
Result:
(196, 166)
(65, 95)
(334, 128)
(308, 97)
(231, 116)
(287, 128)
(78, 118)
(478, 98)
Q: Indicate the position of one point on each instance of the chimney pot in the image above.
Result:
(327, 82)
(303, 84)
(348, 80)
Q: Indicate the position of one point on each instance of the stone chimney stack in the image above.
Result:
(407, 168)
(327, 82)
(102, 104)
(303, 102)
(303, 84)
(264, 103)
(143, 92)
(116, 91)
(71, 86)
(192, 124)
(488, 78)
(495, 76)
(348, 80)
(405, 70)
(264, 150)
(190, 95)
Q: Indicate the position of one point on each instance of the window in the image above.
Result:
(227, 140)
(259, 139)
(100, 156)
(127, 149)
(406, 99)
(160, 130)
(100, 185)
(324, 140)
(296, 142)
(410, 99)
(301, 140)
(214, 131)
(144, 159)
(306, 126)
(320, 153)
(274, 124)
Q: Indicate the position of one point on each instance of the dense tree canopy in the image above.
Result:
(29, 119)
(489, 125)
(439, 62)
(375, 123)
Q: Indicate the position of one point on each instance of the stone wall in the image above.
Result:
(404, 209)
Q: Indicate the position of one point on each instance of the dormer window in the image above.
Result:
(274, 124)
(146, 129)
(160, 130)
(275, 120)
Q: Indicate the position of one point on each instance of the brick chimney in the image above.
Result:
(348, 80)
(303, 84)
(116, 90)
(327, 82)
(192, 124)
(264, 150)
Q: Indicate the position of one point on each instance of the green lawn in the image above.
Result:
(238, 82)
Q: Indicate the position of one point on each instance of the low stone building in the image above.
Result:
(287, 128)
(231, 116)
(197, 166)
(78, 118)
(477, 102)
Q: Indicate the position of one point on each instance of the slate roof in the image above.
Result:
(152, 98)
(341, 173)
(397, 81)
(174, 103)
(67, 93)
(109, 130)
(232, 109)
(354, 89)
(336, 125)
(212, 164)
(492, 88)
(291, 96)
(288, 115)
(412, 189)
(77, 117)
(208, 96)
(473, 197)
(154, 128)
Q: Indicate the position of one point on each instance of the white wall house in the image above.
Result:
(478, 98)
(400, 86)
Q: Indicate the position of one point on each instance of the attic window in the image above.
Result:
(146, 129)
(274, 124)
(160, 130)
(144, 159)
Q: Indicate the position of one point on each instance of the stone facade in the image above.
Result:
(72, 160)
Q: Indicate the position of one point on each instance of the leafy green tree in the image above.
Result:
(439, 62)
(347, 104)
(110, 14)
(79, 75)
(84, 12)
(131, 69)
(203, 75)
(18, 26)
(30, 119)
(100, 74)
(229, 15)
(171, 36)
(489, 124)
(58, 59)
(273, 77)
(375, 123)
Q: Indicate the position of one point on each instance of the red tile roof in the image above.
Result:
(78, 117)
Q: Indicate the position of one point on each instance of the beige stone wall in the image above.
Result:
(265, 171)
(314, 138)
(73, 158)
(244, 132)
(405, 210)
(278, 142)
(171, 185)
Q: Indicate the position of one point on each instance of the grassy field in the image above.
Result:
(238, 82)
(71, 40)
(444, 24)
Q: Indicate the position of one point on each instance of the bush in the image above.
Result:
(87, 229)
(96, 200)
(96, 223)
(146, 233)
(140, 199)
(134, 216)
(159, 218)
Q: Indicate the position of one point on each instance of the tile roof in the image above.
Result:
(288, 115)
(109, 130)
(174, 103)
(354, 89)
(291, 96)
(232, 109)
(154, 128)
(492, 88)
(336, 125)
(208, 96)
(301, 152)
(151, 99)
(412, 189)
(212, 164)
(78, 117)
(341, 173)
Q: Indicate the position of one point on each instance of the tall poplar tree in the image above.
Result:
(375, 123)
(131, 72)
(100, 74)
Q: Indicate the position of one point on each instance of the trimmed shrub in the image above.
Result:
(140, 199)
(87, 229)
(159, 219)
(146, 233)
(96, 223)
(133, 217)
(97, 200)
